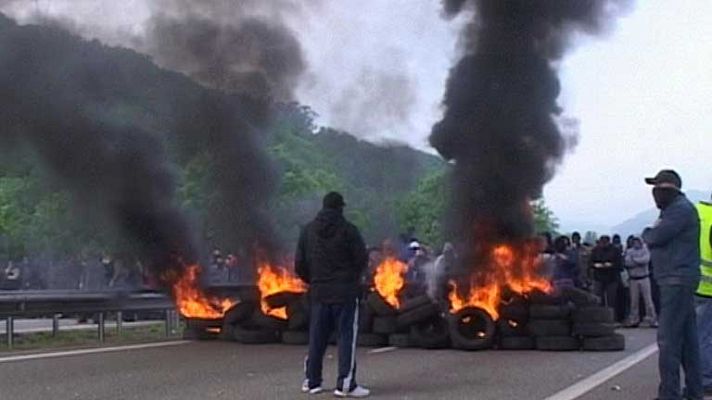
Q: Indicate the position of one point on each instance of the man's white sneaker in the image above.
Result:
(357, 392)
(305, 388)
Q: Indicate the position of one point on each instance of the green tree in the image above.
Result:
(544, 218)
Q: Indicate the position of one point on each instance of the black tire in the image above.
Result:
(365, 320)
(239, 312)
(282, 299)
(511, 328)
(557, 343)
(594, 329)
(614, 342)
(549, 327)
(196, 333)
(517, 343)
(400, 340)
(516, 312)
(431, 334)
(417, 315)
(471, 329)
(371, 340)
(415, 302)
(298, 321)
(295, 337)
(268, 322)
(580, 297)
(385, 325)
(594, 314)
(545, 311)
(379, 306)
(255, 335)
(538, 297)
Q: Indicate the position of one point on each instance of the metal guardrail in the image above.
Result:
(52, 303)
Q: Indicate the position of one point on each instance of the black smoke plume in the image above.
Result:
(51, 94)
(500, 121)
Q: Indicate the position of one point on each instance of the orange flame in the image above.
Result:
(192, 302)
(515, 268)
(275, 279)
(389, 280)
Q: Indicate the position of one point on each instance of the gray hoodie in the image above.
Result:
(636, 262)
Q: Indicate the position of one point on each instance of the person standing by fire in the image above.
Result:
(674, 246)
(331, 257)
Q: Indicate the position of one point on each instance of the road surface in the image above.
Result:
(224, 370)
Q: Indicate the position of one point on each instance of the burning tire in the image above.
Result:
(268, 322)
(415, 302)
(517, 343)
(379, 305)
(549, 327)
(511, 328)
(594, 329)
(471, 329)
(202, 329)
(545, 311)
(557, 343)
(371, 340)
(516, 312)
(365, 320)
(295, 337)
(594, 314)
(579, 297)
(417, 315)
(239, 313)
(251, 335)
(385, 325)
(400, 340)
(614, 342)
(538, 297)
(282, 299)
(431, 334)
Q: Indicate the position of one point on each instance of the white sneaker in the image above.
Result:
(357, 392)
(305, 388)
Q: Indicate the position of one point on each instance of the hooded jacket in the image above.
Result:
(674, 244)
(331, 257)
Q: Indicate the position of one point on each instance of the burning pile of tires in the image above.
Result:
(572, 321)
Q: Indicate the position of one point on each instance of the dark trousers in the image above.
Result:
(325, 317)
(608, 292)
(678, 343)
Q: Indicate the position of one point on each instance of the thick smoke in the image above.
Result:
(499, 125)
(116, 168)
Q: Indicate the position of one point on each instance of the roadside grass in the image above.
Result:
(89, 337)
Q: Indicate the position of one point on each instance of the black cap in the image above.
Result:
(666, 178)
(333, 200)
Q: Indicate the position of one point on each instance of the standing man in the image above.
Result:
(675, 251)
(704, 294)
(331, 257)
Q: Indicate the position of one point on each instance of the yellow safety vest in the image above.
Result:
(705, 212)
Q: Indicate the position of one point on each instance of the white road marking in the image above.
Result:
(382, 350)
(587, 384)
(40, 356)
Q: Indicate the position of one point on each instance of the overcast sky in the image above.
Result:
(642, 93)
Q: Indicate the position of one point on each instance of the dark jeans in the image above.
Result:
(324, 318)
(678, 344)
(704, 331)
(608, 292)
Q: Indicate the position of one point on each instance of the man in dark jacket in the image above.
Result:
(675, 252)
(606, 263)
(331, 257)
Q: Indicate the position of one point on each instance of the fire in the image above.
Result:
(509, 267)
(389, 280)
(275, 279)
(192, 302)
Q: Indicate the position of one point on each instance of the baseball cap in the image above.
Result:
(666, 178)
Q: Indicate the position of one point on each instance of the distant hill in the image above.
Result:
(636, 224)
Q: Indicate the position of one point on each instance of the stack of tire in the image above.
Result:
(418, 322)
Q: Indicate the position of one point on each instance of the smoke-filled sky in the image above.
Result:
(377, 68)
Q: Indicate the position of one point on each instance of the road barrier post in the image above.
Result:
(9, 331)
(119, 322)
(101, 327)
(55, 325)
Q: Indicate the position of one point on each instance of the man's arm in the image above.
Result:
(643, 258)
(669, 226)
(301, 262)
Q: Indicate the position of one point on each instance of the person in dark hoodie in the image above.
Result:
(674, 246)
(331, 257)
(606, 262)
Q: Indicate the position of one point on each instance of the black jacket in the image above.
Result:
(331, 256)
(606, 254)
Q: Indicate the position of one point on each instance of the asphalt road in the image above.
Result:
(223, 370)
